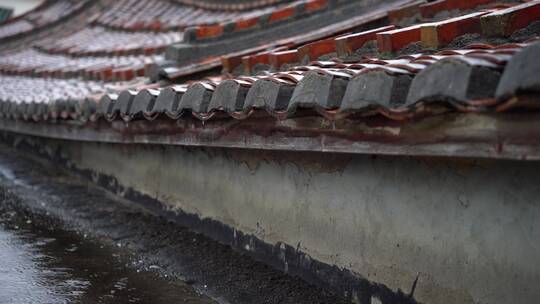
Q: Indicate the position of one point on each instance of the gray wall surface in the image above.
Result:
(468, 229)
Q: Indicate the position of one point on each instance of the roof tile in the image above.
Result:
(142, 103)
(315, 50)
(122, 105)
(209, 31)
(439, 34)
(269, 94)
(197, 97)
(347, 44)
(314, 5)
(394, 40)
(521, 73)
(376, 87)
(229, 96)
(280, 58)
(505, 22)
(431, 9)
(282, 14)
(454, 79)
(168, 103)
(318, 90)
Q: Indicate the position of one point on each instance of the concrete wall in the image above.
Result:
(468, 229)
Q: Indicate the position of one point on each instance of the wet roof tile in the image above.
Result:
(369, 68)
(505, 22)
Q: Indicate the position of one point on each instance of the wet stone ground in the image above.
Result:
(47, 264)
(63, 240)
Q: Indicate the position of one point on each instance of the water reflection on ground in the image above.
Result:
(44, 265)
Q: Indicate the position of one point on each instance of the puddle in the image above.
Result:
(41, 265)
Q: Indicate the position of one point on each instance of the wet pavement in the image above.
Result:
(45, 264)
